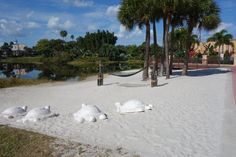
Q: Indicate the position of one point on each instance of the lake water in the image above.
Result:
(58, 72)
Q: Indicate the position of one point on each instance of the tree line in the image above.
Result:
(190, 14)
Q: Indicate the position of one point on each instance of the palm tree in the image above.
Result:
(137, 12)
(221, 38)
(63, 34)
(203, 14)
(156, 15)
(168, 9)
(177, 21)
(72, 37)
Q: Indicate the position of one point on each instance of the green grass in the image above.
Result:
(20, 143)
(11, 82)
(25, 60)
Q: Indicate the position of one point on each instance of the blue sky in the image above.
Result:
(31, 20)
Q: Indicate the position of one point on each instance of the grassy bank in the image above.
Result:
(4, 83)
(23, 60)
(20, 143)
(76, 62)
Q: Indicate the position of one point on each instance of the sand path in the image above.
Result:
(189, 118)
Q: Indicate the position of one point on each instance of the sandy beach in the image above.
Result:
(192, 116)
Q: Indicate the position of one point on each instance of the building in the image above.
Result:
(18, 49)
(202, 48)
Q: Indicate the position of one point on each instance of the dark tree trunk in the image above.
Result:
(155, 46)
(188, 47)
(172, 49)
(167, 47)
(162, 66)
(147, 50)
(155, 39)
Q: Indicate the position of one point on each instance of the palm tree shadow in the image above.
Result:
(108, 84)
(133, 85)
(203, 72)
(160, 85)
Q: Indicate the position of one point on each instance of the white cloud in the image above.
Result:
(92, 27)
(112, 10)
(125, 34)
(56, 24)
(68, 24)
(32, 25)
(79, 3)
(11, 28)
(30, 14)
(221, 27)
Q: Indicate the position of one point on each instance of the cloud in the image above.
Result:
(112, 10)
(30, 14)
(32, 25)
(221, 27)
(92, 27)
(11, 28)
(79, 3)
(125, 34)
(56, 24)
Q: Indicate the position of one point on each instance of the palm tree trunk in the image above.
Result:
(167, 47)
(146, 56)
(162, 70)
(155, 41)
(155, 44)
(172, 49)
(188, 47)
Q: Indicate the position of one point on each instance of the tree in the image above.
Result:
(137, 13)
(201, 14)
(43, 47)
(94, 41)
(221, 38)
(72, 37)
(176, 21)
(63, 34)
(156, 15)
(50, 48)
(168, 8)
(6, 49)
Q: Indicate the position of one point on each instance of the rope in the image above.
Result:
(125, 74)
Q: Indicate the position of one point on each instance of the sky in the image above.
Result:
(28, 21)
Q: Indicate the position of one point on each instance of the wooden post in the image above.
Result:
(154, 73)
(234, 59)
(100, 75)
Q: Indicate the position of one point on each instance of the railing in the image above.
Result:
(195, 63)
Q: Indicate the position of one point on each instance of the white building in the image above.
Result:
(18, 49)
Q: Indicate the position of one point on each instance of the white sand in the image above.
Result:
(186, 120)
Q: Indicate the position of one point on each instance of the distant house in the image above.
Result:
(18, 49)
(222, 50)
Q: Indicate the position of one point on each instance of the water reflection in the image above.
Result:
(58, 72)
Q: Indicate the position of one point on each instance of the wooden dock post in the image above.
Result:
(100, 74)
(154, 72)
